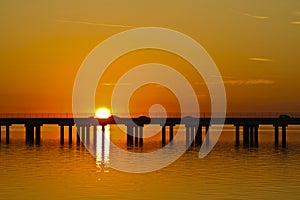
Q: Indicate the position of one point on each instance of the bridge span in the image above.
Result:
(196, 128)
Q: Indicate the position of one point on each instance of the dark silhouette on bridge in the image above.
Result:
(196, 128)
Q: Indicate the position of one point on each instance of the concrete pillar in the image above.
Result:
(0, 133)
(62, 134)
(29, 134)
(193, 135)
(187, 135)
(163, 136)
(171, 132)
(136, 135)
(88, 130)
(95, 135)
(141, 135)
(207, 142)
(83, 128)
(251, 136)
(70, 134)
(129, 135)
(246, 135)
(237, 135)
(37, 134)
(7, 134)
(78, 130)
(276, 135)
(256, 135)
(199, 136)
(284, 136)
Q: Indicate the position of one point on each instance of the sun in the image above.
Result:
(103, 113)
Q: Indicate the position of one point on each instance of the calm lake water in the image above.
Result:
(52, 171)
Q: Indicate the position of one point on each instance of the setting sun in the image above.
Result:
(103, 113)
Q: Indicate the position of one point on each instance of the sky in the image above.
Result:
(255, 44)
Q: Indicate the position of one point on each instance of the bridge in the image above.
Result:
(196, 128)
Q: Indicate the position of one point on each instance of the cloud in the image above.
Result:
(260, 59)
(256, 16)
(240, 82)
(94, 24)
(249, 82)
(296, 23)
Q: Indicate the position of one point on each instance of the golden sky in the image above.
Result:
(255, 44)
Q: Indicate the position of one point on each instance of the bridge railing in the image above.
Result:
(169, 114)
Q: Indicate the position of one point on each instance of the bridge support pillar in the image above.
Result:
(95, 135)
(78, 130)
(0, 133)
(163, 136)
(29, 134)
(38, 134)
(192, 135)
(207, 142)
(88, 130)
(246, 135)
(136, 135)
(276, 135)
(70, 134)
(187, 135)
(141, 135)
(171, 136)
(251, 136)
(256, 135)
(62, 134)
(198, 137)
(283, 136)
(83, 128)
(7, 134)
(237, 135)
(129, 135)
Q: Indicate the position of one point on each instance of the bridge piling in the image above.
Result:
(95, 134)
(38, 134)
(88, 130)
(283, 136)
(246, 135)
(129, 135)
(0, 133)
(199, 136)
(192, 135)
(62, 134)
(251, 136)
(187, 135)
(136, 135)
(70, 134)
(171, 132)
(163, 136)
(256, 135)
(7, 134)
(141, 135)
(78, 131)
(276, 135)
(237, 135)
(207, 141)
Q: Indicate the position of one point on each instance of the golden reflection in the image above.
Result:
(103, 148)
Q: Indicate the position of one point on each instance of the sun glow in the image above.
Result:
(103, 113)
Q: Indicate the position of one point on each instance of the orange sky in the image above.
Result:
(255, 45)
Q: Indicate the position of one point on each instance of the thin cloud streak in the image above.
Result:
(240, 82)
(94, 24)
(260, 59)
(296, 23)
(256, 16)
(249, 82)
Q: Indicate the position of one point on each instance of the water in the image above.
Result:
(52, 171)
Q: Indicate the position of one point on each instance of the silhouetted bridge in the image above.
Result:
(196, 128)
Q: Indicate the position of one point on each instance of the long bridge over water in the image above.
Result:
(196, 128)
